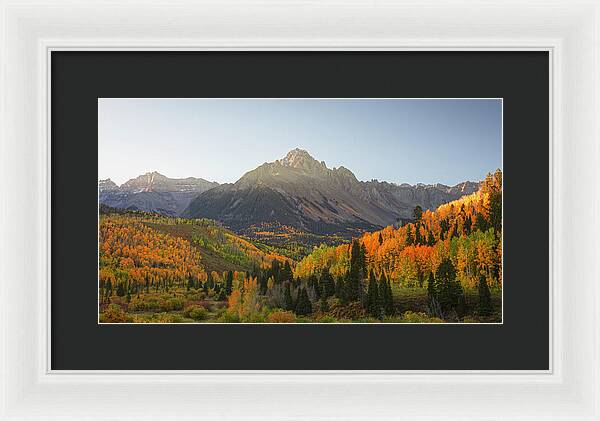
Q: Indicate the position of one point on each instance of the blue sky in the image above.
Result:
(396, 140)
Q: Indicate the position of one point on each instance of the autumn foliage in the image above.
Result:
(468, 231)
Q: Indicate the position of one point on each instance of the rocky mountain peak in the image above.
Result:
(301, 159)
(107, 185)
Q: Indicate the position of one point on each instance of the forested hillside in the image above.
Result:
(453, 250)
(467, 231)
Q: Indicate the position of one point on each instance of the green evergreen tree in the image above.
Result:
(313, 283)
(417, 213)
(430, 239)
(229, 283)
(288, 303)
(431, 293)
(120, 289)
(340, 288)
(386, 298)
(354, 285)
(444, 227)
(303, 306)
(409, 236)
(449, 291)
(418, 239)
(480, 223)
(275, 271)
(286, 272)
(327, 285)
(263, 283)
(467, 225)
(324, 304)
(485, 298)
(373, 305)
(109, 289)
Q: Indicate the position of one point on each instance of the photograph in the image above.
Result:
(300, 210)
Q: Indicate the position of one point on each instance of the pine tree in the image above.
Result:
(467, 225)
(417, 213)
(373, 305)
(409, 236)
(286, 273)
(263, 286)
(480, 223)
(444, 227)
(417, 233)
(354, 290)
(327, 286)
(430, 239)
(109, 289)
(324, 304)
(449, 291)
(340, 289)
(229, 283)
(304, 306)
(288, 303)
(275, 271)
(313, 283)
(431, 294)
(386, 298)
(485, 298)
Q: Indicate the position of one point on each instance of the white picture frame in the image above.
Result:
(568, 30)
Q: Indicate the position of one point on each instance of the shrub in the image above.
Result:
(412, 317)
(167, 318)
(140, 318)
(196, 312)
(352, 311)
(114, 314)
(174, 303)
(281, 316)
(195, 296)
(228, 317)
(254, 318)
(327, 319)
(153, 304)
(137, 304)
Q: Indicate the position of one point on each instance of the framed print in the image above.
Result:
(338, 212)
(279, 244)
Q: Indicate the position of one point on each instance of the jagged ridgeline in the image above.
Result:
(467, 231)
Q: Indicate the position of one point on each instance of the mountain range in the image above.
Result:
(153, 192)
(303, 193)
(296, 191)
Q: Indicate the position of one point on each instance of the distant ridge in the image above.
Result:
(153, 192)
(299, 191)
